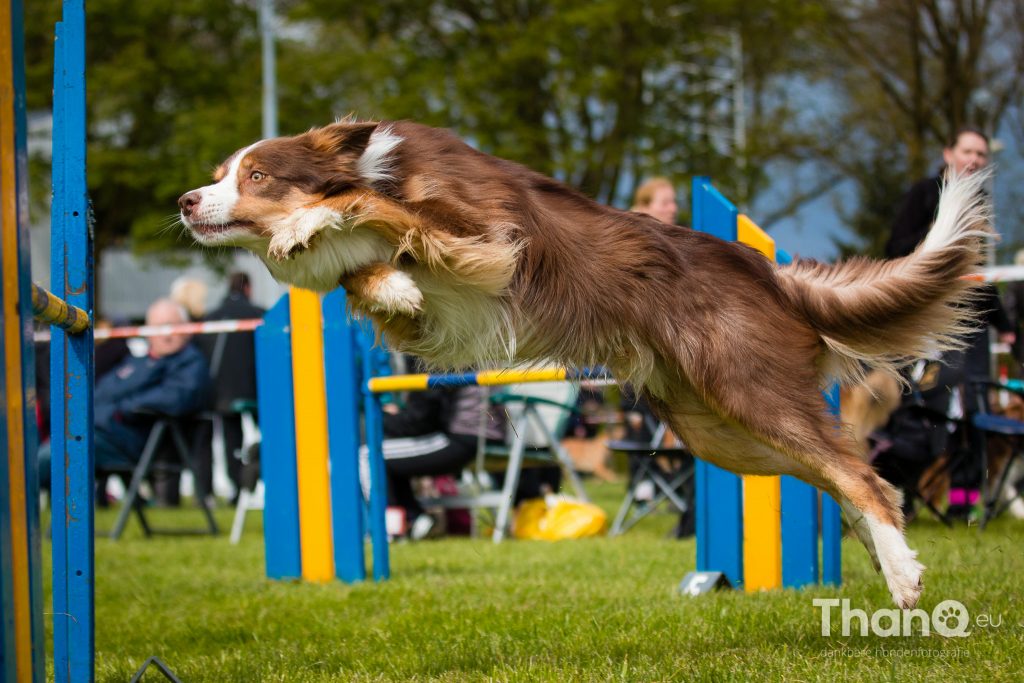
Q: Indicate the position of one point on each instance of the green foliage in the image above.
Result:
(593, 93)
(597, 94)
(173, 88)
(903, 77)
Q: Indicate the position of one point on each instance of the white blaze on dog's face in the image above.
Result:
(268, 195)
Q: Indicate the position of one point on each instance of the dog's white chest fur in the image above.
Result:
(339, 249)
(460, 325)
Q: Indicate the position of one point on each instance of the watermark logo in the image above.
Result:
(949, 618)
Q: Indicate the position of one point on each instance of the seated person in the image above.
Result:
(172, 379)
(435, 434)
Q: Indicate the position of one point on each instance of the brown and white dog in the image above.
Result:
(464, 259)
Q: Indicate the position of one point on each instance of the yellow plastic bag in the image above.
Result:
(558, 518)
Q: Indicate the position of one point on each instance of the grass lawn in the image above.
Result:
(590, 610)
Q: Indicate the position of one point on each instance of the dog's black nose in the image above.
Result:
(188, 200)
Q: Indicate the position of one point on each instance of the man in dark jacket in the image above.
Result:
(172, 379)
(966, 153)
(232, 357)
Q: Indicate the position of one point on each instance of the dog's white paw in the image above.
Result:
(396, 293)
(899, 563)
(905, 583)
(295, 234)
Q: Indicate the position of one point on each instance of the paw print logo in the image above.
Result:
(948, 614)
(950, 619)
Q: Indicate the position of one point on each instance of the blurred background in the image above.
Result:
(814, 117)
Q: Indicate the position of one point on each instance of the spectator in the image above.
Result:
(190, 293)
(657, 197)
(967, 152)
(435, 434)
(172, 380)
(232, 358)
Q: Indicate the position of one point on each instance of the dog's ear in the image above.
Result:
(338, 147)
(343, 138)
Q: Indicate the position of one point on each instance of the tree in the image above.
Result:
(172, 86)
(906, 74)
(596, 94)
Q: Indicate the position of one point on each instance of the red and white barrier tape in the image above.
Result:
(1001, 274)
(211, 327)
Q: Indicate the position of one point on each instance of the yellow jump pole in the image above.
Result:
(762, 496)
(311, 445)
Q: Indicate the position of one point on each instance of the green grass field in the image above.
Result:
(589, 610)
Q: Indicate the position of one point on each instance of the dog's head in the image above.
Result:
(259, 188)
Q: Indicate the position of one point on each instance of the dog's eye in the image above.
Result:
(257, 176)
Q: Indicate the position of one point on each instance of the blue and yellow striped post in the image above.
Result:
(21, 626)
(310, 357)
(483, 378)
(762, 532)
(762, 496)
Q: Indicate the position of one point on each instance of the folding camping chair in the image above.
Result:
(537, 415)
(164, 426)
(988, 424)
(670, 485)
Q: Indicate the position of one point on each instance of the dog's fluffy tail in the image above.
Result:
(882, 314)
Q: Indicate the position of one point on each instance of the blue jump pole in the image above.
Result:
(831, 521)
(71, 361)
(375, 443)
(719, 492)
(343, 397)
(276, 404)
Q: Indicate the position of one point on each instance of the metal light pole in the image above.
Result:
(267, 30)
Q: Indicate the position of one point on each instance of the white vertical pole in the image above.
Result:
(739, 115)
(267, 29)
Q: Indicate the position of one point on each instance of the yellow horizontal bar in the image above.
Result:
(51, 309)
(499, 377)
(379, 385)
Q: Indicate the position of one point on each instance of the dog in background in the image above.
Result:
(866, 407)
(465, 259)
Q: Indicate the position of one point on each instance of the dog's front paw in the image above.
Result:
(295, 235)
(285, 245)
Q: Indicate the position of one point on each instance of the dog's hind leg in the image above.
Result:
(872, 507)
(860, 490)
(859, 523)
(808, 444)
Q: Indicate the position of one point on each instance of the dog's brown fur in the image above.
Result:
(729, 349)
